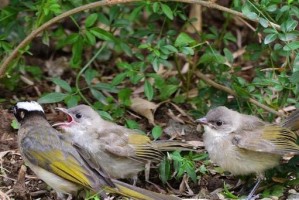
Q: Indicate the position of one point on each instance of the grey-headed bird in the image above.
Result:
(244, 144)
(124, 152)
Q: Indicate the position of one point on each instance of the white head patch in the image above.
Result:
(29, 106)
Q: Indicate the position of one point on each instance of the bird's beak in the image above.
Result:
(70, 118)
(202, 121)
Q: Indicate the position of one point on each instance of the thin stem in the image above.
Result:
(231, 92)
(82, 71)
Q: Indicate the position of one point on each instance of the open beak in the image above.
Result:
(69, 120)
(202, 121)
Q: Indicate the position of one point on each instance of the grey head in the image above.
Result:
(81, 115)
(221, 119)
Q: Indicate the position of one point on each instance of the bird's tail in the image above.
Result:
(292, 121)
(137, 193)
(171, 145)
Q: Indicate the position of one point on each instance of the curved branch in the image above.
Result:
(56, 19)
(231, 92)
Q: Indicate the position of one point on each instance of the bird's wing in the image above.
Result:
(93, 163)
(292, 121)
(144, 150)
(48, 149)
(270, 138)
(128, 143)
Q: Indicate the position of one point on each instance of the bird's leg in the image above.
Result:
(259, 179)
(134, 180)
(147, 171)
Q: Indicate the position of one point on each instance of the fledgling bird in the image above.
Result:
(63, 164)
(123, 152)
(244, 144)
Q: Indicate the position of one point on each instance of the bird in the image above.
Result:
(124, 152)
(244, 144)
(63, 164)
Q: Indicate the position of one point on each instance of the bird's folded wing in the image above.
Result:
(93, 163)
(52, 153)
(130, 144)
(292, 121)
(271, 139)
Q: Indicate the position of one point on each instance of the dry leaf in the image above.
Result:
(144, 108)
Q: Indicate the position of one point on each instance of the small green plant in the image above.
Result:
(181, 165)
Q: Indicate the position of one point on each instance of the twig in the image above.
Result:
(231, 92)
(210, 4)
(47, 24)
(56, 19)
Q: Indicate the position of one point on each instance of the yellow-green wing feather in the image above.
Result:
(144, 150)
(48, 149)
(269, 138)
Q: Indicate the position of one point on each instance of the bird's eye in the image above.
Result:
(219, 123)
(78, 115)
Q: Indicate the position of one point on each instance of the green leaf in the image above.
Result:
(183, 39)
(170, 48)
(228, 54)
(135, 13)
(295, 77)
(296, 63)
(105, 115)
(263, 22)
(191, 172)
(291, 46)
(270, 38)
(106, 86)
(156, 7)
(157, 132)
(62, 83)
(72, 100)
(148, 90)
(228, 194)
(98, 95)
(187, 51)
(287, 36)
(126, 48)
(119, 78)
(131, 124)
(90, 37)
(289, 25)
(72, 38)
(77, 53)
(15, 124)
(272, 8)
(103, 19)
(52, 98)
(270, 30)
(90, 20)
(89, 75)
(168, 90)
(102, 34)
(248, 13)
(209, 58)
(164, 169)
(167, 11)
(124, 96)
